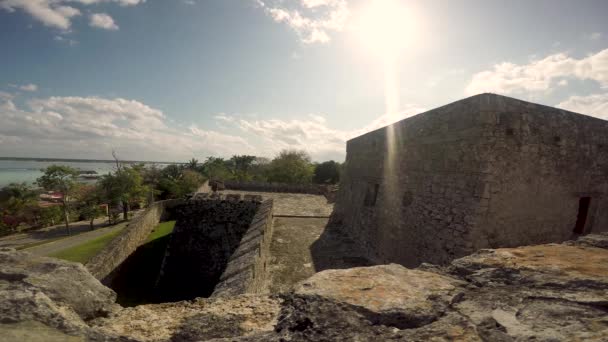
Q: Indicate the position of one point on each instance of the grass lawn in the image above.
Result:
(163, 229)
(85, 251)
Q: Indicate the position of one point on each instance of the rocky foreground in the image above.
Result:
(553, 292)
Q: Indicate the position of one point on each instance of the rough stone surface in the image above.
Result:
(65, 283)
(388, 294)
(484, 172)
(246, 270)
(197, 320)
(49, 297)
(553, 292)
(206, 235)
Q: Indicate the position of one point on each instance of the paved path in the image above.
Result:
(294, 204)
(58, 245)
(49, 233)
(53, 232)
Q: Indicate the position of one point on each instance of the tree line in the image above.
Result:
(132, 186)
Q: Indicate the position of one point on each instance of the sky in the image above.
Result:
(168, 80)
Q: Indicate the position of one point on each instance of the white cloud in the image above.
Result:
(311, 133)
(50, 13)
(6, 96)
(70, 42)
(102, 20)
(90, 127)
(312, 20)
(594, 105)
(56, 13)
(593, 36)
(29, 87)
(540, 75)
(93, 126)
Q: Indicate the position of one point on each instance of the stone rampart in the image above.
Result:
(246, 270)
(105, 263)
(210, 233)
(313, 189)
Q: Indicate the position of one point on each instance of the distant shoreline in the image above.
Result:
(65, 160)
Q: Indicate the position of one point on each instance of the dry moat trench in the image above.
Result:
(190, 262)
(246, 242)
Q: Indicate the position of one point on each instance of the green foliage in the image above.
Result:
(90, 197)
(187, 182)
(327, 173)
(192, 164)
(240, 167)
(59, 178)
(62, 179)
(125, 187)
(291, 166)
(259, 169)
(216, 169)
(50, 215)
(16, 199)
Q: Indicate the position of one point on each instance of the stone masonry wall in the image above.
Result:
(544, 160)
(105, 263)
(246, 269)
(410, 191)
(207, 233)
(487, 171)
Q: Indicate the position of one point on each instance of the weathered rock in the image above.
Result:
(546, 292)
(197, 320)
(50, 296)
(391, 295)
(542, 293)
(592, 240)
(65, 283)
(558, 271)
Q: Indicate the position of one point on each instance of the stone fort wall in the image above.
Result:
(487, 171)
(106, 263)
(219, 246)
(418, 204)
(543, 161)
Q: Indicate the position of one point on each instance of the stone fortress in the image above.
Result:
(488, 171)
(431, 192)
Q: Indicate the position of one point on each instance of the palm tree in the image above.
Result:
(192, 164)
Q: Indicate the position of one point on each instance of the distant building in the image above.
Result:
(486, 171)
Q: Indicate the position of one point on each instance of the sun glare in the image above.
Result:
(385, 27)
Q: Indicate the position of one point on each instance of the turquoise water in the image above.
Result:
(27, 171)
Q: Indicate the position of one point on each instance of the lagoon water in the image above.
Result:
(17, 171)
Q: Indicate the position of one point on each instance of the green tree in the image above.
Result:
(125, 187)
(327, 173)
(62, 179)
(187, 182)
(291, 166)
(192, 164)
(90, 197)
(259, 169)
(49, 216)
(216, 169)
(241, 167)
(16, 197)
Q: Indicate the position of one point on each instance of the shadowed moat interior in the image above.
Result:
(204, 249)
